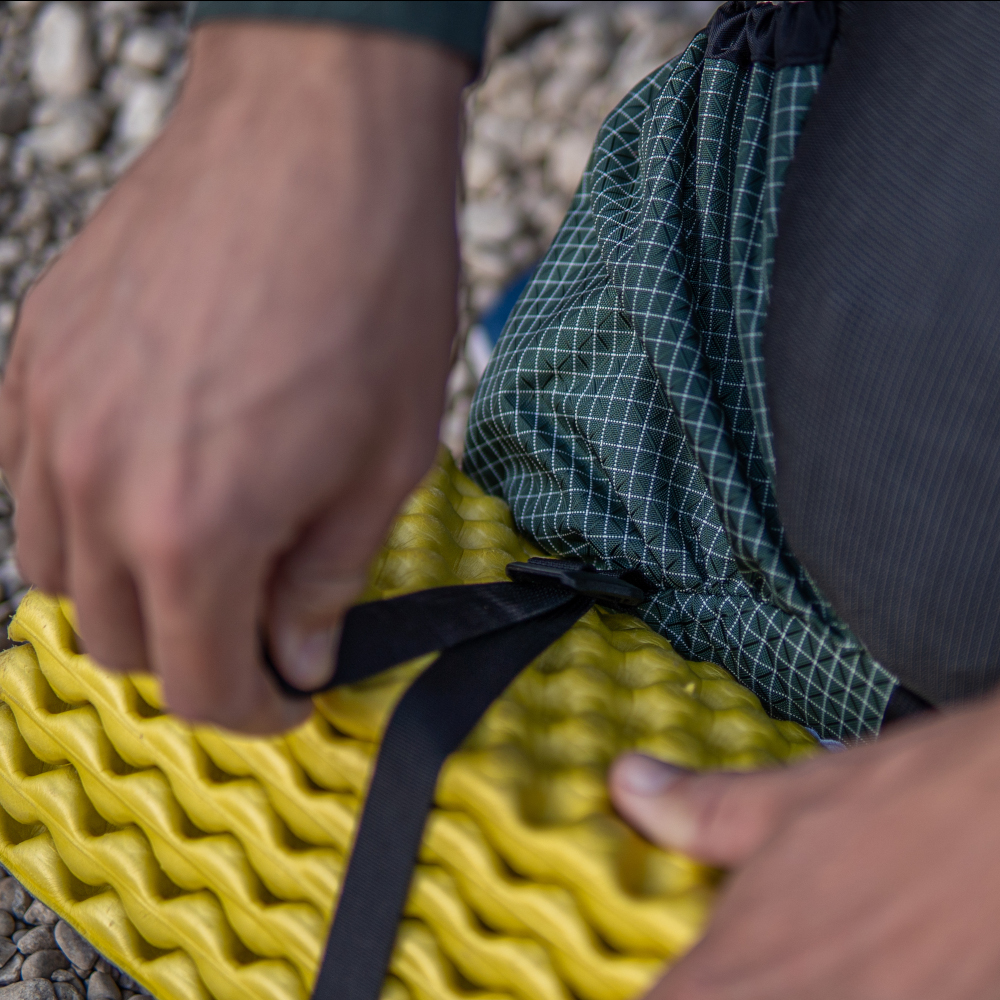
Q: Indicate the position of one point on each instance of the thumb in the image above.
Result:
(720, 819)
(311, 589)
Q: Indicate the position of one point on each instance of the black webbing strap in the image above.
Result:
(487, 634)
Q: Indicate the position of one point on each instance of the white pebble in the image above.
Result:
(147, 49)
(481, 165)
(490, 221)
(74, 128)
(11, 252)
(567, 159)
(23, 164)
(8, 313)
(142, 113)
(89, 170)
(61, 60)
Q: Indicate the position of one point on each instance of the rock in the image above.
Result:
(72, 128)
(15, 108)
(560, 94)
(11, 252)
(7, 950)
(14, 897)
(490, 221)
(68, 976)
(42, 964)
(509, 88)
(61, 61)
(37, 939)
(147, 49)
(142, 112)
(481, 166)
(89, 171)
(36, 989)
(567, 159)
(505, 134)
(81, 953)
(39, 913)
(109, 37)
(22, 165)
(68, 986)
(118, 82)
(547, 214)
(7, 925)
(101, 986)
(11, 972)
(487, 264)
(539, 136)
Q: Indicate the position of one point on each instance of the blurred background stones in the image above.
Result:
(86, 86)
(553, 73)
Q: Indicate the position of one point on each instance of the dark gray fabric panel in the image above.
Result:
(882, 347)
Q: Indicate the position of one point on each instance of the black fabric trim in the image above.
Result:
(777, 35)
(459, 25)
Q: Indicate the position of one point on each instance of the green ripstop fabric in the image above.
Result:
(623, 417)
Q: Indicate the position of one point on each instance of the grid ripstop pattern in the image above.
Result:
(623, 416)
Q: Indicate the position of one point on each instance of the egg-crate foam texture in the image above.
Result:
(207, 865)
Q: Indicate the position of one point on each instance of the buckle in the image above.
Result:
(578, 576)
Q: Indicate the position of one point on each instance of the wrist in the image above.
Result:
(386, 105)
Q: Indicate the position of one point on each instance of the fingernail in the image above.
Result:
(306, 658)
(645, 776)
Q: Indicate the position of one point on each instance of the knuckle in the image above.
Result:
(165, 542)
(77, 467)
(174, 533)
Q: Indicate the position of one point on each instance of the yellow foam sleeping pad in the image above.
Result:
(207, 865)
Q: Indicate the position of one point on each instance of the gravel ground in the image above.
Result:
(43, 958)
(84, 88)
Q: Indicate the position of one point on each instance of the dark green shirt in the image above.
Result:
(459, 25)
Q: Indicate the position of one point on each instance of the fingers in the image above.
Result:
(109, 617)
(721, 819)
(314, 585)
(202, 606)
(38, 524)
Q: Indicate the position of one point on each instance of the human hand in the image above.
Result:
(219, 395)
(872, 874)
